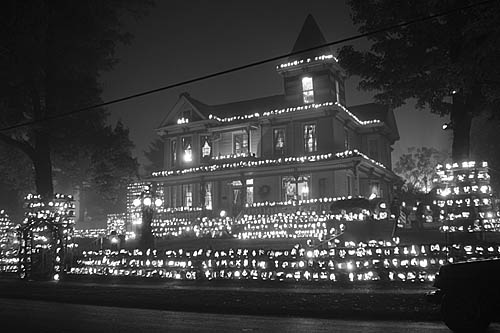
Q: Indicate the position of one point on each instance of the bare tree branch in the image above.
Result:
(23, 146)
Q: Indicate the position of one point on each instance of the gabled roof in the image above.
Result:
(370, 111)
(184, 99)
(310, 36)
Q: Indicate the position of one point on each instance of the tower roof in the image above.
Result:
(310, 36)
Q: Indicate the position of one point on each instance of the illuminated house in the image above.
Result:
(300, 145)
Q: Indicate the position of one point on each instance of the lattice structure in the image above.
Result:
(134, 190)
(8, 237)
(464, 198)
(9, 244)
(46, 237)
(116, 223)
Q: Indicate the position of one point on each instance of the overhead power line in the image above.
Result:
(253, 64)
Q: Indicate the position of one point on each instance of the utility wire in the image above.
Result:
(253, 64)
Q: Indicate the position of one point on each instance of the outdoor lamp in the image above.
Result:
(158, 202)
(137, 202)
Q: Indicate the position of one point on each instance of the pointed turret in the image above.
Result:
(312, 76)
(310, 36)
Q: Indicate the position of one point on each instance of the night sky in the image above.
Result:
(180, 40)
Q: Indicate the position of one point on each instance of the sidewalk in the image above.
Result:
(359, 302)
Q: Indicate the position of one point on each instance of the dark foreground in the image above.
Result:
(271, 299)
(41, 316)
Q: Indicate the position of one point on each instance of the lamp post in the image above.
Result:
(148, 203)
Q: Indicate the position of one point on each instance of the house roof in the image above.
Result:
(381, 112)
(364, 112)
(370, 111)
(241, 107)
(310, 36)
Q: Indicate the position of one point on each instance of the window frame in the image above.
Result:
(315, 137)
(276, 152)
(185, 191)
(243, 135)
(307, 93)
(209, 157)
(173, 152)
(190, 137)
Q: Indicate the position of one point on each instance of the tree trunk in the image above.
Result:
(461, 120)
(43, 166)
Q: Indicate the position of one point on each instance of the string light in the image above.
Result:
(345, 263)
(321, 58)
(47, 226)
(263, 162)
(299, 108)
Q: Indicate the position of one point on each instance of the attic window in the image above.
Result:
(307, 90)
(184, 118)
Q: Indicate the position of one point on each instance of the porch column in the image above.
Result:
(202, 193)
(247, 130)
(355, 171)
(243, 190)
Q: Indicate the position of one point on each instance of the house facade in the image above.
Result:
(300, 145)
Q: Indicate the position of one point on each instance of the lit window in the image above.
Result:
(346, 139)
(240, 143)
(206, 147)
(307, 89)
(310, 139)
(337, 90)
(293, 188)
(173, 152)
(208, 195)
(187, 149)
(187, 195)
(279, 141)
(375, 189)
(249, 191)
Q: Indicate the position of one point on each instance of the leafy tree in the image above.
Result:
(154, 155)
(51, 55)
(418, 168)
(449, 64)
(485, 146)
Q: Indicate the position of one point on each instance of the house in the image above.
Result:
(300, 145)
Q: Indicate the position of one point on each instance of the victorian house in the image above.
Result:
(306, 143)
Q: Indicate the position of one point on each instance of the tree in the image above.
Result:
(51, 55)
(485, 145)
(154, 155)
(418, 168)
(449, 64)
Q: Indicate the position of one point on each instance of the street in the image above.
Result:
(42, 316)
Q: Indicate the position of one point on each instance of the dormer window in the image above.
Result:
(307, 90)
